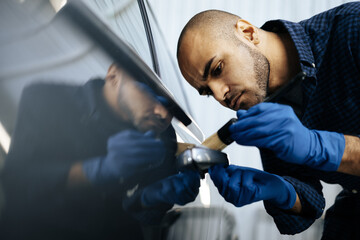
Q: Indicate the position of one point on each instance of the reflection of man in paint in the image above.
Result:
(135, 102)
(78, 150)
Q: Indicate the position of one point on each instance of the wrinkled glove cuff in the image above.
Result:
(290, 197)
(327, 149)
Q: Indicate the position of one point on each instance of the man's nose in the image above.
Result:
(161, 112)
(219, 89)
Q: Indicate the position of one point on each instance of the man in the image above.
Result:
(81, 155)
(314, 139)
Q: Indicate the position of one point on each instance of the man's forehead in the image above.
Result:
(192, 71)
(194, 55)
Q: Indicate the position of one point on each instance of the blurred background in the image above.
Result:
(33, 49)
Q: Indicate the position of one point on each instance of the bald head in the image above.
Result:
(219, 54)
(216, 23)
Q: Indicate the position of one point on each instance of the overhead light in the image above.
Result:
(57, 4)
(4, 139)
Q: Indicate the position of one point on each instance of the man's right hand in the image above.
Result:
(242, 185)
(130, 153)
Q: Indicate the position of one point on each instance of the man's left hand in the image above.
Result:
(149, 205)
(276, 127)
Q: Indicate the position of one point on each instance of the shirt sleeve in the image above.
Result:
(308, 188)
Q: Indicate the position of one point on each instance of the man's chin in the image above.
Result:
(246, 105)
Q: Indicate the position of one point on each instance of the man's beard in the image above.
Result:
(262, 71)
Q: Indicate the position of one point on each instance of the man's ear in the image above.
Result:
(112, 75)
(248, 31)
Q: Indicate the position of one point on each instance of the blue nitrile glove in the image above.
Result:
(152, 93)
(180, 189)
(276, 127)
(129, 153)
(149, 204)
(243, 185)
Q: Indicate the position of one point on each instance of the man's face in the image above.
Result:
(142, 108)
(135, 103)
(236, 75)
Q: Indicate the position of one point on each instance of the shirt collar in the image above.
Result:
(300, 39)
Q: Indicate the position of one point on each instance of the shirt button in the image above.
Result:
(354, 191)
(313, 65)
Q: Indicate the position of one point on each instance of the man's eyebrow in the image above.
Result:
(207, 68)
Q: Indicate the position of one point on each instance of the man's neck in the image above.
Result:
(283, 58)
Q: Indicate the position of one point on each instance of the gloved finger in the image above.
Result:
(216, 168)
(192, 180)
(164, 101)
(145, 88)
(259, 109)
(151, 153)
(220, 178)
(245, 176)
(245, 123)
(231, 169)
(187, 183)
(152, 93)
(150, 134)
(181, 188)
(249, 137)
(144, 161)
(240, 113)
(259, 137)
(189, 187)
(264, 107)
(139, 159)
(252, 121)
(132, 138)
(254, 110)
(242, 188)
(233, 191)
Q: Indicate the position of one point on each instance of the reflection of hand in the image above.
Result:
(276, 127)
(130, 153)
(242, 185)
(151, 203)
(177, 189)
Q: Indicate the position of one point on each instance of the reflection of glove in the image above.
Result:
(242, 185)
(276, 127)
(178, 189)
(130, 153)
(152, 93)
(151, 203)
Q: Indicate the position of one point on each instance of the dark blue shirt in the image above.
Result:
(328, 46)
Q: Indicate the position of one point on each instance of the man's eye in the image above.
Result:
(205, 91)
(218, 69)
